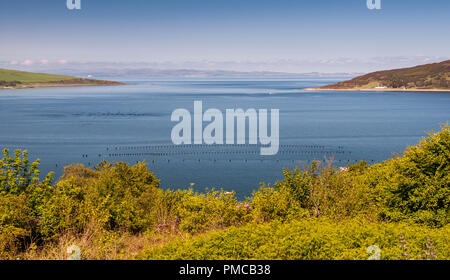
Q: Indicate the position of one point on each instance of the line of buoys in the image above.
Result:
(216, 145)
(217, 152)
(261, 160)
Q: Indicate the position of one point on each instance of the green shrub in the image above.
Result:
(129, 194)
(322, 190)
(298, 183)
(275, 204)
(114, 197)
(213, 210)
(17, 175)
(416, 185)
(20, 195)
(16, 225)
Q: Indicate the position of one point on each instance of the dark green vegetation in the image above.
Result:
(310, 239)
(20, 79)
(429, 76)
(116, 211)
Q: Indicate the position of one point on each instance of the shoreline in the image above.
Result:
(377, 89)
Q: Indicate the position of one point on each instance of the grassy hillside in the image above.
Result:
(21, 79)
(429, 76)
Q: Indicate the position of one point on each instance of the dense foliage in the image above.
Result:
(310, 239)
(318, 212)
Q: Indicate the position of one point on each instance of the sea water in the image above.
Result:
(132, 123)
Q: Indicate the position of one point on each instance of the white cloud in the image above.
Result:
(291, 65)
(27, 62)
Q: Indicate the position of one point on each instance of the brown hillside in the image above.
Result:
(428, 76)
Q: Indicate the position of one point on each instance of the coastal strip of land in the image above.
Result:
(379, 89)
(13, 79)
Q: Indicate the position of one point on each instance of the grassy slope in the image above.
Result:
(428, 76)
(14, 78)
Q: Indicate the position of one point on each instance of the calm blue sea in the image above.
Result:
(132, 123)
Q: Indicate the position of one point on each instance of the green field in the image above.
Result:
(28, 77)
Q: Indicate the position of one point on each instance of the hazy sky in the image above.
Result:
(240, 31)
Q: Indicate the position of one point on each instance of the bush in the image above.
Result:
(20, 195)
(197, 213)
(16, 225)
(322, 190)
(275, 204)
(115, 197)
(415, 186)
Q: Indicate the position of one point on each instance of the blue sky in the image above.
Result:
(242, 32)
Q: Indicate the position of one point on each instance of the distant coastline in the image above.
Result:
(38, 85)
(378, 89)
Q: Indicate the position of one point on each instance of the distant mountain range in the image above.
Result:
(435, 76)
(148, 73)
(124, 71)
(187, 73)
